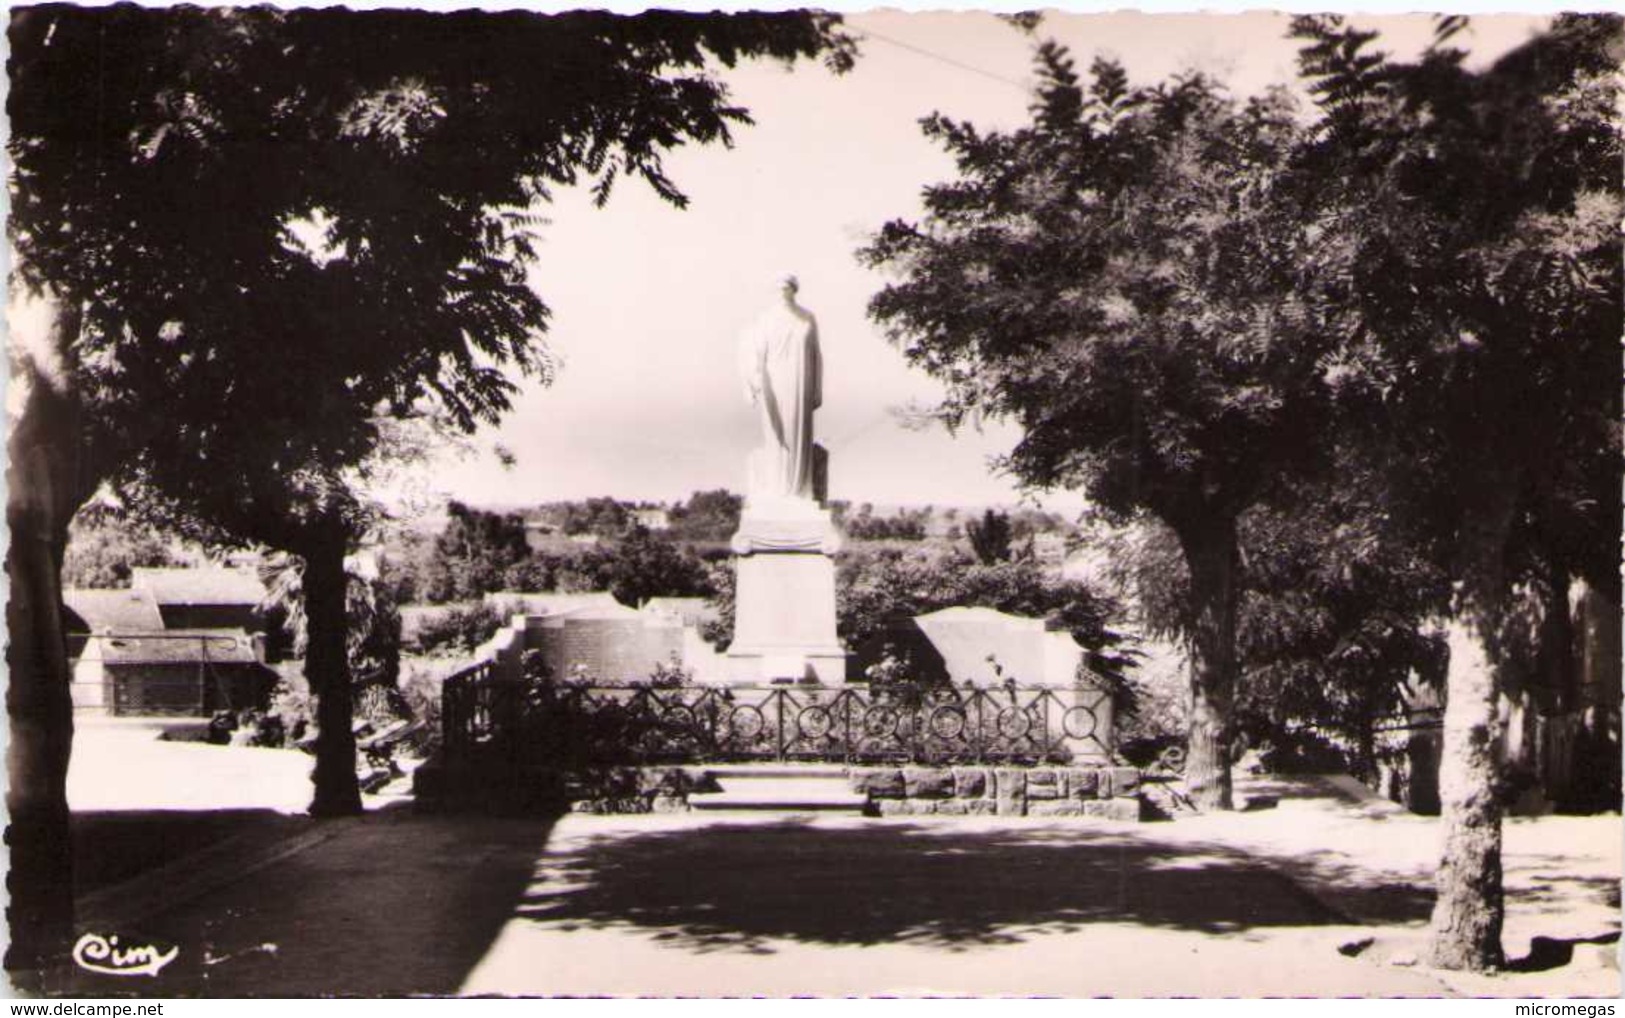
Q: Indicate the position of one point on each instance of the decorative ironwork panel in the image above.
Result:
(567, 723)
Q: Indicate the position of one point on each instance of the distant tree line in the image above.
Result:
(480, 552)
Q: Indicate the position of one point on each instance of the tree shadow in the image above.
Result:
(740, 886)
(1268, 788)
(1543, 892)
(394, 903)
(110, 846)
(1547, 953)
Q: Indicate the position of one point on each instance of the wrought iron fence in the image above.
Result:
(487, 716)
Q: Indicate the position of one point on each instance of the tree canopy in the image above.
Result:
(1471, 223)
(473, 555)
(1116, 277)
(990, 537)
(1474, 221)
(291, 228)
(1124, 278)
(268, 234)
(1398, 317)
(309, 217)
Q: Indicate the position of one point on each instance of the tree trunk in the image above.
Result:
(40, 705)
(47, 481)
(1210, 554)
(1558, 666)
(1469, 908)
(1600, 646)
(1597, 764)
(327, 669)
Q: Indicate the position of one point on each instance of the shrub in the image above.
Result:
(460, 629)
(420, 688)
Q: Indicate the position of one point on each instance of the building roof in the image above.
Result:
(94, 610)
(173, 646)
(654, 519)
(212, 585)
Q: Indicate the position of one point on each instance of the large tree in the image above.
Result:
(473, 553)
(1120, 278)
(1336, 617)
(262, 235)
(105, 548)
(1474, 223)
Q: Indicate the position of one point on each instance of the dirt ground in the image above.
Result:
(1321, 893)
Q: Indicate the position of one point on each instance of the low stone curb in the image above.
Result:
(1099, 790)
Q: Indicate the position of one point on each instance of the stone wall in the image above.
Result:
(984, 648)
(1002, 791)
(619, 646)
(505, 650)
(1107, 792)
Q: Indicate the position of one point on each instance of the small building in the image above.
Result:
(652, 519)
(94, 611)
(540, 535)
(208, 597)
(171, 672)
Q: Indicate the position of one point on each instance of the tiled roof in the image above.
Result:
(204, 585)
(112, 609)
(174, 646)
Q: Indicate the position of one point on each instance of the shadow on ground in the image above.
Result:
(398, 903)
(1547, 953)
(740, 886)
(395, 903)
(1548, 891)
(110, 847)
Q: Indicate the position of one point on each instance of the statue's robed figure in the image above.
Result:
(783, 372)
(784, 617)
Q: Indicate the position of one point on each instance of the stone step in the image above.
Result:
(775, 771)
(760, 793)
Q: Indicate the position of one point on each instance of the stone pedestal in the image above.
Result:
(784, 604)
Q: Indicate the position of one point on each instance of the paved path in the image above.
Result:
(1252, 903)
(120, 764)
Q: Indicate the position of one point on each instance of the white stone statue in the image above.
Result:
(784, 622)
(783, 372)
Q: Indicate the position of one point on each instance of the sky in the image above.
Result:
(648, 300)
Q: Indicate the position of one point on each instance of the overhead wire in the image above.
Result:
(845, 440)
(880, 418)
(950, 61)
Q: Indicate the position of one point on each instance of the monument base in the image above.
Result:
(772, 666)
(784, 601)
